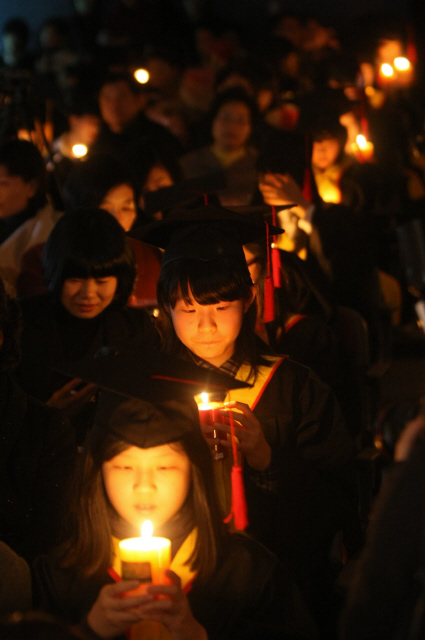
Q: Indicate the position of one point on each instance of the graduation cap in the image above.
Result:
(148, 374)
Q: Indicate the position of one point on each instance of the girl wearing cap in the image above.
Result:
(150, 462)
(89, 270)
(298, 453)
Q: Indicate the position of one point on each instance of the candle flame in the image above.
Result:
(204, 397)
(147, 529)
(387, 70)
(79, 150)
(401, 64)
(361, 141)
(141, 75)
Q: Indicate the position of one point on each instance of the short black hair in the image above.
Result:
(235, 94)
(114, 77)
(22, 158)
(88, 182)
(89, 243)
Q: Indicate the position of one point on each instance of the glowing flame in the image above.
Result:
(402, 64)
(361, 141)
(387, 70)
(204, 397)
(79, 150)
(147, 529)
(141, 75)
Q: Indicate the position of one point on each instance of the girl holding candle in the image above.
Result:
(149, 461)
(298, 453)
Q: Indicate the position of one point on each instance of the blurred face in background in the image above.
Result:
(232, 126)
(118, 105)
(119, 202)
(325, 153)
(15, 193)
(85, 128)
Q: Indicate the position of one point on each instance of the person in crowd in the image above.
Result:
(218, 585)
(103, 182)
(386, 593)
(159, 171)
(14, 39)
(89, 270)
(37, 457)
(126, 131)
(233, 119)
(83, 118)
(26, 218)
(296, 448)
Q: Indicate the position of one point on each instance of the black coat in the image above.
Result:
(249, 595)
(51, 335)
(37, 456)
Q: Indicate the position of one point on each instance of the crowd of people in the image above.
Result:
(178, 202)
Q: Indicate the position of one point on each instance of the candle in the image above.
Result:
(209, 415)
(362, 149)
(79, 150)
(145, 559)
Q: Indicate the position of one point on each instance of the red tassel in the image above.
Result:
(268, 311)
(239, 508)
(307, 193)
(412, 53)
(277, 276)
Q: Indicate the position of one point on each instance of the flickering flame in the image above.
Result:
(141, 75)
(79, 150)
(361, 141)
(147, 529)
(401, 64)
(387, 70)
(204, 397)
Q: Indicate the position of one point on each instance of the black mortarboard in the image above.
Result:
(148, 374)
(145, 424)
(204, 232)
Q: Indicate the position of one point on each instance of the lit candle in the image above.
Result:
(209, 415)
(142, 75)
(363, 149)
(145, 559)
(79, 150)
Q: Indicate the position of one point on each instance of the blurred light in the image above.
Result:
(141, 75)
(79, 150)
(369, 91)
(387, 70)
(401, 64)
(361, 141)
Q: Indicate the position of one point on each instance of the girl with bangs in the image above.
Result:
(89, 271)
(297, 452)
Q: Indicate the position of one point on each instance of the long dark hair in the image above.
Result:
(89, 243)
(223, 279)
(89, 537)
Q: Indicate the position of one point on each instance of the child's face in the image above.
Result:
(148, 484)
(210, 330)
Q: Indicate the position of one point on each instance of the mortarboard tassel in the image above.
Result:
(276, 266)
(412, 53)
(268, 310)
(238, 510)
(307, 191)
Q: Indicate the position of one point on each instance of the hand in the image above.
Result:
(413, 430)
(70, 399)
(112, 613)
(173, 610)
(249, 432)
(281, 189)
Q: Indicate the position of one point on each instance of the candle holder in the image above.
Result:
(209, 415)
(144, 559)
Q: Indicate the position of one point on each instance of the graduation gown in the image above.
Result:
(249, 595)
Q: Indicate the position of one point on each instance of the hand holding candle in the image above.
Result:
(145, 559)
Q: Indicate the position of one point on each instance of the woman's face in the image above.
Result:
(119, 202)
(232, 126)
(15, 193)
(148, 484)
(87, 297)
(210, 330)
(325, 153)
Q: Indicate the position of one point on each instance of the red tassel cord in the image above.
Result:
(276, 266)
(268, 311)
(239, 510)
